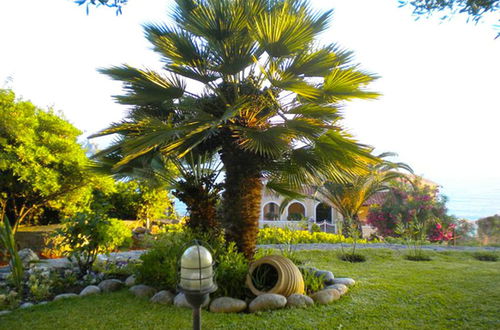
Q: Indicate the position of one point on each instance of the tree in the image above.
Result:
(118, 4)
(348, 197)
(488, 229)
(269, 107)
(41, 162)
(475, 10)
(132, 200)
(417, 203)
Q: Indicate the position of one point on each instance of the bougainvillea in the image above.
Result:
(405, 203)
(439, 234)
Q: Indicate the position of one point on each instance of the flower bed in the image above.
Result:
(288, 236)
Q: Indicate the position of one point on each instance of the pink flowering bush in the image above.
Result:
(405, 203)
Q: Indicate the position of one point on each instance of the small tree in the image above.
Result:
(41, 162)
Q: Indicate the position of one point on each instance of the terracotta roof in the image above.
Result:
(377, 198)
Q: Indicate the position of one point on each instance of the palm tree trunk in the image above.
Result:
(202, 208)
(241, 199)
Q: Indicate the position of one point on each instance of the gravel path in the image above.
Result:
(326, 246)
(135, 254)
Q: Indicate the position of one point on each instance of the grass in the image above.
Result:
(453, 290)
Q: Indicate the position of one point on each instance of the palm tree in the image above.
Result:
(349, 196)
(269, 105)
(193, 180)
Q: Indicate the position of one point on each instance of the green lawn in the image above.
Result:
(451, 291)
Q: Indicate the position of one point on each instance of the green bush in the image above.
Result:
(312, 283)
(485, 256)
(231, 271)
(116, 235)
(88, 234)
(275, 235)
(160, 264)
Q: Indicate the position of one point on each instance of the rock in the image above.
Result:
(110, 285)
(143, 291)
(27, 256)
(267, 301)
(4, 312)
(326, 296)
(130, 281)
(65, 296)
(227, 305)
(344, 280)
(328, 277)
(341, 288)
(140, 230)
(26, 305)
(91, 289)
(163, 297)
(299, 301)
(180, 301)
(43, 303)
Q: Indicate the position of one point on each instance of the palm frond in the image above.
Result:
(145, 87)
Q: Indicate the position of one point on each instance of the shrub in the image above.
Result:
(312, 283)
(39, 285)
(116, 235)
(485, 256)
(231, 271)
(7, 242)
(352, 257)
(88, 234)
(160, 265)
(274, 235)
(417, 257)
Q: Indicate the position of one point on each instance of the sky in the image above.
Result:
(439, 109)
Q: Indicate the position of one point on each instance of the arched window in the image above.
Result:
(323, 213)
(271, 211)
(296, 211)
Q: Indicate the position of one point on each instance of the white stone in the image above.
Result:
(227, 305)
(26, 305)
(163, 297)
(89, 290)
(299, 300)
(341, 288)
(130, 281)
(110, 285)
(344, 280)
(65, 296)
(267, 301)
(326, 296)
(142, 290)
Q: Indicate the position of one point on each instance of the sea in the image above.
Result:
(471, 200)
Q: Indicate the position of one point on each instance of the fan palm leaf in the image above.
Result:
(270, 106)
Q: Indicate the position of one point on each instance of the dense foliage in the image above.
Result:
(8, 244)
(349, 196)
(160, 264)
(274, 235)
(133, 200)
(475, 9)
(41, 163)
(405, 204)
(488, 229)
(88, 234)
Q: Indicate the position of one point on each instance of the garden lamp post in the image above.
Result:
(196, 280)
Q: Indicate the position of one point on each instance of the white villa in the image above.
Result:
(311, 209)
